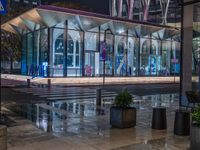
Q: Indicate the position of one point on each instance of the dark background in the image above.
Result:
(98, 6)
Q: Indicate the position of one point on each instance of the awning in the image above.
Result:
(49, 16)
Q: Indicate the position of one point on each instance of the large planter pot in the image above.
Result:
(122, 117)
(182, 123)
(195, 137)
(159, 119)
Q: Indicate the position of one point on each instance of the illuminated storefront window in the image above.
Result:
(84, 46)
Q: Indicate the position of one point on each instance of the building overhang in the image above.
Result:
(49, 16)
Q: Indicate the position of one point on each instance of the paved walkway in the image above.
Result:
(63, 118)
(85, 81)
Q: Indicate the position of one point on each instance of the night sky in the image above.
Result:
(100, 6)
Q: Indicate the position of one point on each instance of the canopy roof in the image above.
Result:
(49, 16)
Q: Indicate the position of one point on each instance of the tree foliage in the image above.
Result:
(196, 115)
(11, 47)
(11, 43)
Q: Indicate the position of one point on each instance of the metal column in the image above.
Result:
(65, 49)
(126, 53)
(33, 41)
(26, 54)
(83, 55)
(49, 50)
(139, 56)
(113, 56)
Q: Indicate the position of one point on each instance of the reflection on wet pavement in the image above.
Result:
(63, 116)
(177, 143)
(72, 113)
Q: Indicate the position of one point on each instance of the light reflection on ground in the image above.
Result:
(66, 114)
(58, 116)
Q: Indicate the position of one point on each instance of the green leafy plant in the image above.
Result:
(196, 115)
(123, 99)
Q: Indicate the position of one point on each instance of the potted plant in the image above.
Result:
(195, 129)
(121, 114)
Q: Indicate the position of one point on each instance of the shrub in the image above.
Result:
(196, 115)
(123, 99)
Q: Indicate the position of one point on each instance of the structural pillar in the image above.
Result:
(130, 10)
(83, 54)
(146, 10)
(33, 49)
(120, 2)
(65, 50)
(27, 69)
(138, 55)
(113, 8)
(50, 53)
(127, 47)
(186, 51)
(113, 57)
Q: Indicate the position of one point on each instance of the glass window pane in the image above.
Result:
(24, 55)
(70, 46)
(77, 47)
(77, 61)
(43, 57)
(120, 55)
(30, 53)
(70, 60)
(75, 39)
(58, 52)
(144, 57)
(91, 41)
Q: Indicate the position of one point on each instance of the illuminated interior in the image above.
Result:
(59, 42)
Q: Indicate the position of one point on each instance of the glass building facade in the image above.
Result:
(60, 52)
(62, 42)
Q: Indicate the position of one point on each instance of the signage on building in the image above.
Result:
(3, 7)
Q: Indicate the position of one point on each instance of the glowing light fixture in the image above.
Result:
(120, 31)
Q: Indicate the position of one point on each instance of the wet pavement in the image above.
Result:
(68, 118)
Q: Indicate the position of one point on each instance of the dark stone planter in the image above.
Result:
(122, 117)
(195, 137)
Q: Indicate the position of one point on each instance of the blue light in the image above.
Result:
(3, 10)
